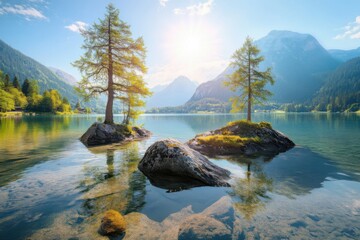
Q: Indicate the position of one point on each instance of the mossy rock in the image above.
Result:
(112, 224)
(241, 137)
(102, 134)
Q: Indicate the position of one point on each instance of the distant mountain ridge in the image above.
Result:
(66, 77)
(174, 94)
(344, 55)
(214, 89)
(299, 64)
(15, 63)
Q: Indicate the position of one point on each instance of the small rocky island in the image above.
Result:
(102, 133)
(173, 165)
(241, 137)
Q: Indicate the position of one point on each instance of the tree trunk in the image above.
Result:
(128, 115)
(109, 118)
(249, 94)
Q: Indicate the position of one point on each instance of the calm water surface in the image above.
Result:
(53, 187)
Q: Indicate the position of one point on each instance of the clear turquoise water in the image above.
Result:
(49, 180)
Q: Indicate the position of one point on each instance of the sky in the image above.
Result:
(195, 38)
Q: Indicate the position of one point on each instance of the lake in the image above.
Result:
(53, 187)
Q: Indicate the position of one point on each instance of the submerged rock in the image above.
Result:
(203, 227)
(113, 223)
(215, 222)
(101, 133)
(241, 137)
(174, 159)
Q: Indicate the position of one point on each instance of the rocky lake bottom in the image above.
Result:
(53, 187)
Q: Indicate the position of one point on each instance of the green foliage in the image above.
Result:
(133, 102)
(341, 90)
(14, 63)
(11, 97)
(34, 102)
(113, 62)
(292, 107)
(16, 83)
(33, 87)
(248, 78)
(353, 107)
(19, 97)
(7, 83)
(77, 106)
(52, 101)
(7, 102)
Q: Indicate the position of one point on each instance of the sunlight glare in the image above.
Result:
(191, 43)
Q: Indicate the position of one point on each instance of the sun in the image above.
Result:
(191, 46)
(190, 43)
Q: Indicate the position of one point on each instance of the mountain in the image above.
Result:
(341, 90)
(214, 89)
(174, 94)
(14, 63)
(299, 64)
(64, 76)
(344, 55)
(158, 88)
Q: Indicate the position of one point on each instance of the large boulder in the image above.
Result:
(241, 137)
(101, 134)
(169, 158)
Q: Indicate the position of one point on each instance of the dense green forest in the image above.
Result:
(15, 63)
(341, 91)
(14, 96)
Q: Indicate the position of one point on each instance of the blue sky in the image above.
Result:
(183, 37)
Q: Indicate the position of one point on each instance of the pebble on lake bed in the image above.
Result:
(113, 223)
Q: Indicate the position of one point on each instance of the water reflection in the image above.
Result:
(27, 141)
(120, 187)
(251, 193)
(308, 192)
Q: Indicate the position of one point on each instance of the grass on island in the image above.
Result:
(250, 125)
(226, 140)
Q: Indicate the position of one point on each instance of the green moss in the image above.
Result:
(265, 125)
(124, 129)
(250, 125)
(113, 223)
(226, 140)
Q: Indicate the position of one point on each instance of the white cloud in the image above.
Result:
(163, 2)
(197, 9)
(28, 12)
(351, 30)
(77, 26)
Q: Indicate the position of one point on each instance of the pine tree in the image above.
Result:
(248, 78)
(25, 87)
(112, 59)
(77, 106)
(7, 83)
(16, 83)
